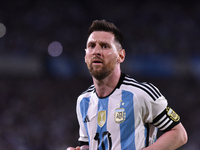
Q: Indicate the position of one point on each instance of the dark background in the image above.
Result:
(38, 92)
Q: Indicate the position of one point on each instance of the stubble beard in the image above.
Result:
(101, 73)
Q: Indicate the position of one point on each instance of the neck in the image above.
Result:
(106, 86)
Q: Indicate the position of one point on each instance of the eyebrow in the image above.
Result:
(100, 43)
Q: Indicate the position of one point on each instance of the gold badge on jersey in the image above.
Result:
(172, 114)
(101, 118)
(120, 115)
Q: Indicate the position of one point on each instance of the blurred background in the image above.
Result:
(42, 69)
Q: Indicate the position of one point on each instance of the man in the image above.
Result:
(117, 112)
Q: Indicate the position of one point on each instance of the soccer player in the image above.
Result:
(118, 112)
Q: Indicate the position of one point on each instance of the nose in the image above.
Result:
(97, 50)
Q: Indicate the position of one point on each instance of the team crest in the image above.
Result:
(101, 118)
(172, 114)
(120, 115)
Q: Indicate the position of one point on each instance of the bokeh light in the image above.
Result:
(55, 49)
(2, 30)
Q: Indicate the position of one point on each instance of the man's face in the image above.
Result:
(102, 53)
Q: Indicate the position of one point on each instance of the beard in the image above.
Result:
(103, 72)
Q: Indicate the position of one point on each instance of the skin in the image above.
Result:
(104, 55)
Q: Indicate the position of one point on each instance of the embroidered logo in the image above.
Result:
(172, 114)
(101, 118)
(120, 115)
(86, 119)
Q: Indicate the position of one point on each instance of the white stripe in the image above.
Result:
(159, 121)
(162, 124)
(130, 78)
(112, 126)
(167, 125)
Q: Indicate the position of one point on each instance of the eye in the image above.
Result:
(91, 46)
(105, 46)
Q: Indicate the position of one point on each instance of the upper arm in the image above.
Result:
(180, 130)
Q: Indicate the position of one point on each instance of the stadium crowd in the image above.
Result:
(38, 112)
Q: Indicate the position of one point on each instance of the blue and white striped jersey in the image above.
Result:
(127, 119)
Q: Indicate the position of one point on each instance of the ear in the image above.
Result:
(122, 55)
(85, 55)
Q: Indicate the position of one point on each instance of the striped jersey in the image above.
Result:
(127, 119)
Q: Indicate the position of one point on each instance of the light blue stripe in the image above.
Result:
(145, 135)
(84, 105)
(102, 105)
(127, 128)
(156, 135)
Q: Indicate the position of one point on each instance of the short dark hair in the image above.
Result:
(103, 25)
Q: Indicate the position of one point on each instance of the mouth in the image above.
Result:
(97, 61)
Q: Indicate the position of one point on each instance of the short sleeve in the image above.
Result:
(157, 112)
(82, 131)
(152, 108)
